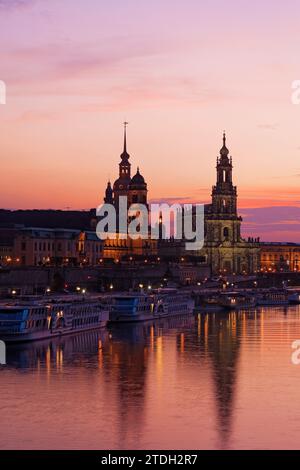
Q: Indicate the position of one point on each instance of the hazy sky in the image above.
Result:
(179, 71)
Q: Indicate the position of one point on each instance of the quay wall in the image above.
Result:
(27, 280)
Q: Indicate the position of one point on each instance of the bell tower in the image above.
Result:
(224, 194)
(222, 222)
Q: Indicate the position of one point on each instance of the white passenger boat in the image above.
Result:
(273, 297)
(143, 307)
(237, 300)
(44, 318)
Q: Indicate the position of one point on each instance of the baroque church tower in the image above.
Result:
(223, 223)
(225, 250)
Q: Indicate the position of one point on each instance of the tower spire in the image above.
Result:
(224, 150)
(125, 137)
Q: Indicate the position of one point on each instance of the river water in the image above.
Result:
(209, 381)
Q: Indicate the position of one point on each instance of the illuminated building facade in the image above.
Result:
(30, 246)
(280, 257)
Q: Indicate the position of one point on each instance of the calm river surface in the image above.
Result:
(213, 381)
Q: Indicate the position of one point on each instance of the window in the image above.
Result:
(226, 232)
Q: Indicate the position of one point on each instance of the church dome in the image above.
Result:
(138, 181)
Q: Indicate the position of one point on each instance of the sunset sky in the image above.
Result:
(180, 72)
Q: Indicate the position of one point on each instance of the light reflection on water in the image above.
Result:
(204, 381)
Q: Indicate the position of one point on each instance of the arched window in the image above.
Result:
(226, 232)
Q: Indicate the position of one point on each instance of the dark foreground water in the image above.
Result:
(210, 381)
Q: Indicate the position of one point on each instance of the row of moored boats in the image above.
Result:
(236, 300)
(30, 318)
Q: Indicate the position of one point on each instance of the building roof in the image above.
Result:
(138, 181)
(291, 244)
(66, 219)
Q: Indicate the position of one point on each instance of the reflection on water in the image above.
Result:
(203, 381)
